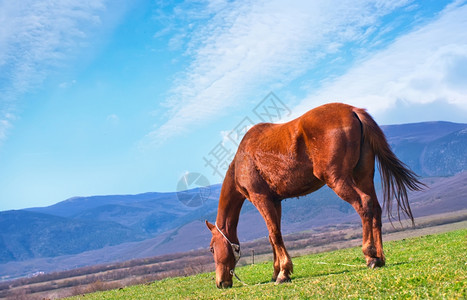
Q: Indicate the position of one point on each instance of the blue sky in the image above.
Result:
(119, 97)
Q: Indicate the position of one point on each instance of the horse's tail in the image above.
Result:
(396, 177)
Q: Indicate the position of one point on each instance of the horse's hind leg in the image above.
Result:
(270, 211)
(377, 224)
(363, 176)
(277, 266)
(363, 204)
(368, 188)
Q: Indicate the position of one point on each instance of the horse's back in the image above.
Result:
(334, 135)
(288, 159)
(328, 117)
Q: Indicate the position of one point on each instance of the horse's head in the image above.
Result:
(226, 255)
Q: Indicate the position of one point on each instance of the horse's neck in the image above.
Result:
(228, 214)
(230, 204)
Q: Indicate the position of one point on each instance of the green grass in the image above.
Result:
(433, 266)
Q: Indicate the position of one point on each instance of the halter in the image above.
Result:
(235, 247)
(236, 252)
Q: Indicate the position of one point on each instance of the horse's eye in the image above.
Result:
(211, 249)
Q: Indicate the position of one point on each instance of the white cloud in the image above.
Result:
(426, 65)
(246, 44)
(37, 36)
(225, 137)
(4, 126)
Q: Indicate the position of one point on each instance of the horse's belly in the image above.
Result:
(286, 176)
(296, 185)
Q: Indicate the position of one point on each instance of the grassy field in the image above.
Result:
(432, 266)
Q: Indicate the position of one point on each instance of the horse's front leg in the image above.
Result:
(271, 212)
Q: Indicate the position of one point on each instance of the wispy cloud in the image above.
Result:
(67, 84)
(426, 65)
(5, 125)
(242, 45)
(37, 36)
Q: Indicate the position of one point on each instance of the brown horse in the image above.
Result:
(334, 144)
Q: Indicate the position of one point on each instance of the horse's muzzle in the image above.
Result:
(224, 284)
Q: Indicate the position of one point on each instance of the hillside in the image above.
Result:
(430, 148)
(21, 241)
(148, 213)
(431, 266)
(101, 229)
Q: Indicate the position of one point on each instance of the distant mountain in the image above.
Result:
(129, 226)
(27, 235)
(446, 194)
(147, 214)
(430, 148)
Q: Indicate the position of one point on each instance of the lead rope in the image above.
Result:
(236, 276)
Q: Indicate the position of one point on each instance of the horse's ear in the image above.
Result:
(209, 225)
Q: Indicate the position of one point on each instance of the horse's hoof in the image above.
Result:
(283, 280)
(375, 262)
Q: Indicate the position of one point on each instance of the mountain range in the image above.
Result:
(99, 229)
